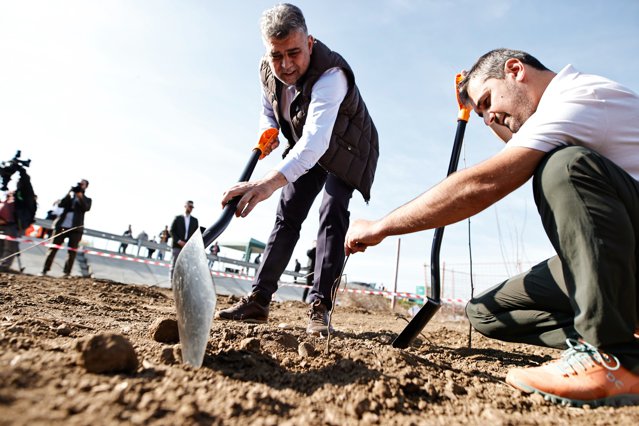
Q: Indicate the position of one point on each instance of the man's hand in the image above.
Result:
(361, 235)
(253, 192)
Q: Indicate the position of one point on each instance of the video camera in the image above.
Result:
(77, 188)
(8, 168)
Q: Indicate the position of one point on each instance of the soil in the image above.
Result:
(83, 351)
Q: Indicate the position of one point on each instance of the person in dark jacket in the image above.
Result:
(310, 270)
(69, 225)
(182, 227)
(309, 93)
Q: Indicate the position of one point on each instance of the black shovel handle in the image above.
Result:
(435, 288)
(433, 303)
(215, 230)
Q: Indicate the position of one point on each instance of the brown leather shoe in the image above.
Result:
(318, 319)
(248, 309)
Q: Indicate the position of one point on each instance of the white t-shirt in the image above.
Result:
(587, 110)
(326, 97)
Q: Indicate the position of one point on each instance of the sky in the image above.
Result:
(156, 102)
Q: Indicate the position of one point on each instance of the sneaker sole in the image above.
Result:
(612, 401)
(319, 332)
(249, 321)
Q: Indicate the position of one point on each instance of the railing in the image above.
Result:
(160, 247)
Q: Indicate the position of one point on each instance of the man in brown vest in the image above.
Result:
(309, 93)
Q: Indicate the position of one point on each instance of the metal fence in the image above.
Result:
(139, 248)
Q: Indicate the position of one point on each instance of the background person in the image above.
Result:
(8, 227)
(298, 268)
(309, 93)
(69, 225)
(164, 241)
(214, 250)
(577, 136)
(310, 270)
(52, 214)
(128, 234)
(142, 238)
(151, 250)
(182, 227)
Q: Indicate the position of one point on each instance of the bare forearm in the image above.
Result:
(459, 196)
(454, 199)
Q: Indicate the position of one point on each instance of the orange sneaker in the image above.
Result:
(583, 375)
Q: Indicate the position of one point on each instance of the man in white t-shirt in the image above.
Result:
(577, 136)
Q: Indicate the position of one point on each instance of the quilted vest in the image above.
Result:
(354, 147)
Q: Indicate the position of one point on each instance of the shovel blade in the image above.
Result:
(416, 325)
(195, 299)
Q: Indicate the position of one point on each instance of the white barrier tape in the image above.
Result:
(401, 295)
(114, 256)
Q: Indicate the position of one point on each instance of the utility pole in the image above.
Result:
(399, 243)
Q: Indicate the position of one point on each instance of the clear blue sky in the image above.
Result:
(156, 102)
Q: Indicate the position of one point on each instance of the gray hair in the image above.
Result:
(280, 20)
(491, 65)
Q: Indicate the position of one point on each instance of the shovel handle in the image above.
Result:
(215, 230)
(433, 303)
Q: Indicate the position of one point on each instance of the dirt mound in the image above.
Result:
(272, 374)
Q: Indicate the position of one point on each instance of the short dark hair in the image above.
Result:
(280, 20)
(491, 65)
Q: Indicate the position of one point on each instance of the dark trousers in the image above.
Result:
(295, 201)
(59, 236)
(590, 211)
(8, 248)
(175, 252)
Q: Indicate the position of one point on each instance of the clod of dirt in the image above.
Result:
(107, 353)
(165, 330)
(63, 330)
(305, 349)
(177, 352)
(167, 356)
(452, 390)
(381, 390)
(288, 341)
(250, 344)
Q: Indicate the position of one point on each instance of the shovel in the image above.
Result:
(193, 288)
(433, 303)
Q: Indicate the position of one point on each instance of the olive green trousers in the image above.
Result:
(590, 211)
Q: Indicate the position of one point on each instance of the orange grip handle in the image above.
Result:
(464, 111)
(267, 137)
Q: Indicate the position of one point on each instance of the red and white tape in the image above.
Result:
(401, 295)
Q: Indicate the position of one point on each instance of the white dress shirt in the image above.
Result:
(327, 95)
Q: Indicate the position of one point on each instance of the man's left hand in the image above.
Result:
(253, 192)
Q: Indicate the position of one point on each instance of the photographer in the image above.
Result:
(17, 211)
(9, 228)
(70, 224)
